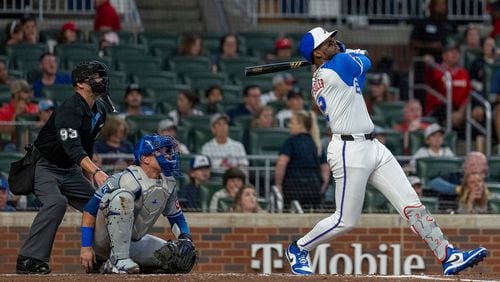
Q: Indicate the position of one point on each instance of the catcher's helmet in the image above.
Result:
(165, 150)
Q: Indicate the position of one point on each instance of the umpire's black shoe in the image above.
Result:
(27, 265)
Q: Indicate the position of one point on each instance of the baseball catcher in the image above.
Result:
(117, 219)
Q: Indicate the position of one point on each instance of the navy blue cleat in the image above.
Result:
(457, 261)
(298, 259)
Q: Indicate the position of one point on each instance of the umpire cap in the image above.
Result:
(85, 70)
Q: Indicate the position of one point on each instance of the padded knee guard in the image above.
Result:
(118, 209)
(424, 225)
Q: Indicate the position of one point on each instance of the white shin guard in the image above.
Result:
(424, 225)
(118, 209)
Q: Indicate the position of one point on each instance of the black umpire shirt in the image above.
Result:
(70, 133)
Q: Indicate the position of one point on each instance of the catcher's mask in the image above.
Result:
(165, 150)
(85, 72)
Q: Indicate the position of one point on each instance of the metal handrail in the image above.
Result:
(470, 122)
(412, 86)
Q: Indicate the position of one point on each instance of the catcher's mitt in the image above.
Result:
(177, 257)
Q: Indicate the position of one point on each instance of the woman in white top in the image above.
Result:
(434, 140)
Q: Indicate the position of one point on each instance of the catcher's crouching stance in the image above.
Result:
(117, 219)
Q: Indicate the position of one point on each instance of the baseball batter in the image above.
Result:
(126, 207)
(356, 158)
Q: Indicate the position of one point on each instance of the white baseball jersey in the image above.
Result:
(337, 88)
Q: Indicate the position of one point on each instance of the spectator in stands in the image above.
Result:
(412, 122)
(223, 151)
(228, 49)
(282, 51)
(494, 9)
(433, 135)
(294, 102)
(429, 35)
(45, 109)
(14, 33)
(263, 118)
(213, 98)
(109, 38)
(199, 173)
(473, 195)
(282, 84)
(50, 76)
(167, 127)
(416, 183)
(68, 33)
(5, 79)
(232, 180)
(251, 102)
(435, 75)
(477, 71)
(30, 30)
(20, 103)
(475, 162)
(4, 196)
(106, 17)
(114, 137)
(133, 99)
(302, 172)
(245, 200)
(191, 45)
(186, 106)
(378, 90)
(472, 39)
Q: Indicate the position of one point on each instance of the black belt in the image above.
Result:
(369, 136)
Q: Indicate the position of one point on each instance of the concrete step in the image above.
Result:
(170, 14)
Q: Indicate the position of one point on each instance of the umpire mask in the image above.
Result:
(85, 71)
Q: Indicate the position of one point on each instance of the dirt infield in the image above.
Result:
(243, 277)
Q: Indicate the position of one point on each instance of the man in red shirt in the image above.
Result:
(461, 86)
(106, 17)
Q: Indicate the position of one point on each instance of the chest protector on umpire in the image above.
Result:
(150, 203)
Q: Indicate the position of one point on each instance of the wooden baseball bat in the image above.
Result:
(276, 67)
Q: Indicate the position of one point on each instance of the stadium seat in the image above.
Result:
(117, 77)
(469, 56)
(126, 37)
(494, 168)
(236, 67)
(264, 82)
(205, 194)
(203, 80)
(125, 51)
(166, 94)
(183, 65)
(394, 141)
(149, 38)
(164, 50)
(76, 51)
(417, 140)
(389, 110)
(27, 132)
(225, 204)
(267, 141)
(5, 94)
(6, 158)
(196, 122)
(185, 163)
(132, 65)
(141, 125)
(277, 105)
(201, 135)
(494, 206)
(374, 202)
(431, 203)
(156, 79)
(259, 43)
(58, 93)
(429, 168)
(25, 51)
(303, 81)
(243, 122)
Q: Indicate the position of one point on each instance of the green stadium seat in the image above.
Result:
(184, 65)
(185, 162)
(142, 125)
(164, 50)
(389, 110)
(242, 121)
(374, 202)
(236, 67)
(119, 77)
(6, 158)
(231, 92)
(205, 194)
(125, 51)
(196, 122)
(469, 56)
(277, 105)
(201, 135)
(5, 94)
(225, 204)
(394, 141)
(159, 79)
(58, 93)
(304, 81)
(379, 120)
(76, 51)
(417, 140)
(431, 203)
(267, 141)
(494, 206)
(126, 37)
(26, 51)
(27, 132)
(166, 94)
(132, 65)
(429, 168)
(259, 43)
(149, 38)
(494, 168)
(203, 80)
(264, 82)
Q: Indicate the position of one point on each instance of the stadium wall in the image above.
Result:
(254, 243)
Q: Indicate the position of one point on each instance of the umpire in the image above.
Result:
(65, 172)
